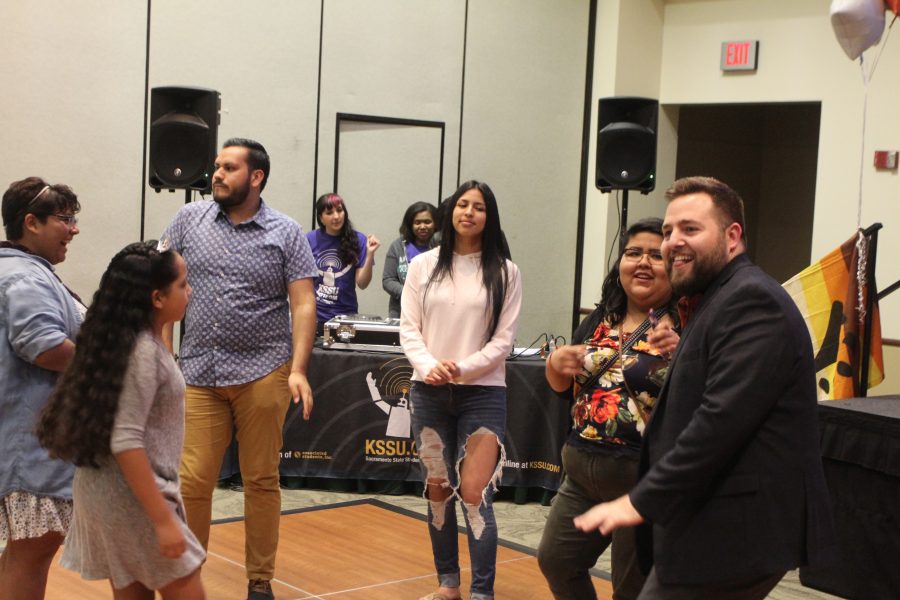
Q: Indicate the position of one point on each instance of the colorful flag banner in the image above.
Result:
(828, 295)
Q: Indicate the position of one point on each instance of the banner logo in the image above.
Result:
(390, 393)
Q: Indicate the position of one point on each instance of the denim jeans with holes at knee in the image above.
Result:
(443, 418)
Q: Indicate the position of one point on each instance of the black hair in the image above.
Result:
(257, 157)
(77, 422)
(494, 253)
(406, 226)
(349, 250)
(613, 305)
(35, 196)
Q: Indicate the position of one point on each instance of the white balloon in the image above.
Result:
(858, 24)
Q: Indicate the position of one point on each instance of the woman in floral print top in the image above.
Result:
(616, 408)
(600, 457)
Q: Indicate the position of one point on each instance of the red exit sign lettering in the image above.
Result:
(739, 56)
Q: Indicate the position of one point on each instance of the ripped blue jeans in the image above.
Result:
(443, 418)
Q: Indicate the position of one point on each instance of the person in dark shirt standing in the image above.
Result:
(731, 473)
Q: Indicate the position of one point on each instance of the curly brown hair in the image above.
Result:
(77, 422)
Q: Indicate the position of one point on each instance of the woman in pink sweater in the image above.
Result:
(459, 314)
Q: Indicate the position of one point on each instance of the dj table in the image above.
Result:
(359, 427)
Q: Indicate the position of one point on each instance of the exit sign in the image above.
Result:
(739, 56)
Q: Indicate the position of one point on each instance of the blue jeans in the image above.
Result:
(443, 418)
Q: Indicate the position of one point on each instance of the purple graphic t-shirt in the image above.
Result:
(336, 282)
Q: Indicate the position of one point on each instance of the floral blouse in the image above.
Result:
(613, 413)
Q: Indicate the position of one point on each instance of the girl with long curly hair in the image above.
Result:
(118, 414)
(344, 258)
(459, 314)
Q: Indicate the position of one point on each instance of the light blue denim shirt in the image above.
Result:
(37, 313)
(238, 324)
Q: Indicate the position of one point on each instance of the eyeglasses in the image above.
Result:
(636, 254)
(69, 220)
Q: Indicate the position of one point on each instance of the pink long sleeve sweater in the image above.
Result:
(454, 319)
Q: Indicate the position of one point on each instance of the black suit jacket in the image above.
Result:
(732, 479)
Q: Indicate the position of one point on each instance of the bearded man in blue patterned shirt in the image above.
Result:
(249, 330)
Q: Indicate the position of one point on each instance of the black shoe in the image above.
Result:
(259, 589)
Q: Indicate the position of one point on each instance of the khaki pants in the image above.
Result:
(257, 410)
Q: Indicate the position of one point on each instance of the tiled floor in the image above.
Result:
(519, 523)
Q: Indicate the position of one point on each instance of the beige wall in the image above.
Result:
(627, 62)
(72, 110)
(268, 90)
(891, 383)
(799, 60)
(522, 133)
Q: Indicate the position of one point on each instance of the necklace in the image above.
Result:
(630, 323)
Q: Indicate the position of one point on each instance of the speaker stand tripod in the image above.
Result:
(623, 223)
(187, 200)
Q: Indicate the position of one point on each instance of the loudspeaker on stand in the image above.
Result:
(184, 124)
(626, 143)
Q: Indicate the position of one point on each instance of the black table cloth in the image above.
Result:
(860, 441)
(360, 423)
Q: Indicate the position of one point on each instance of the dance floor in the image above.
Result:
(352, 551)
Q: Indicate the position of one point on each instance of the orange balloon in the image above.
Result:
(894, 5)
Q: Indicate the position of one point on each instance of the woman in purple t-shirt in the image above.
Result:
(344, 258)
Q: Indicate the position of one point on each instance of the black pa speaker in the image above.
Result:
(626, 144)
(184, 122)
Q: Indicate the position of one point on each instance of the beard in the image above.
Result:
(706, 268)
(235, 196)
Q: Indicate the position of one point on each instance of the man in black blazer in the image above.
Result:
(732, 479)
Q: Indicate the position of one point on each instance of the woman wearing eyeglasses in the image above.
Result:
(39, 318)
(600, 457)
